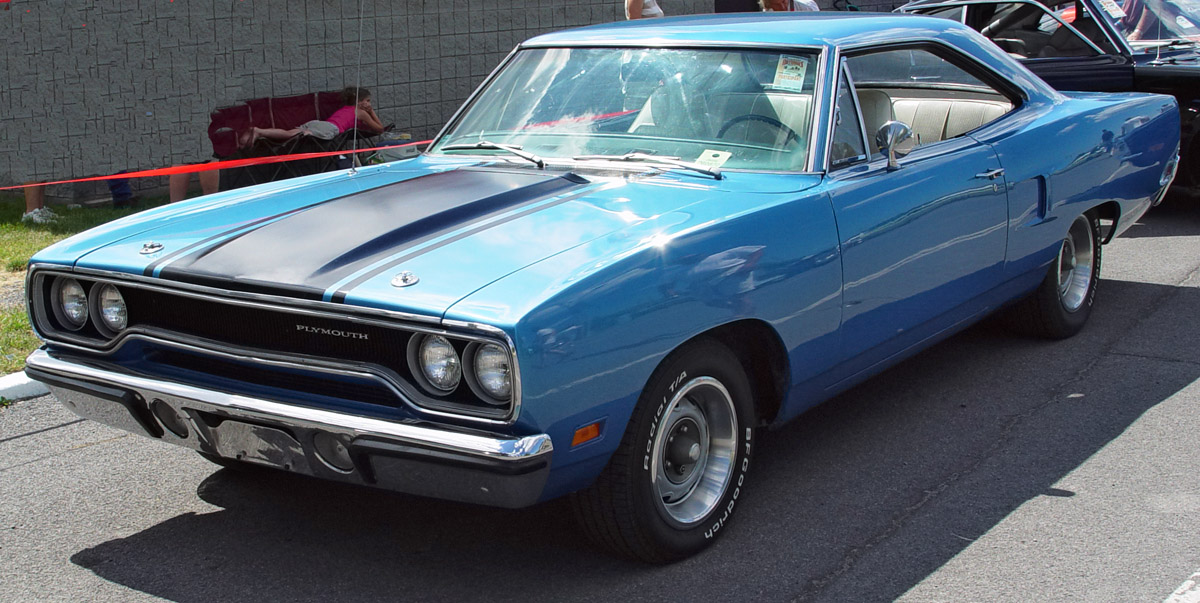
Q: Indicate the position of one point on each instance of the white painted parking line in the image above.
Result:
(1188, 592)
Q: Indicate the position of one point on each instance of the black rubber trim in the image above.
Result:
(130, 400)
(372, 446)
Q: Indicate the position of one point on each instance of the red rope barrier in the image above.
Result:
(215, 165)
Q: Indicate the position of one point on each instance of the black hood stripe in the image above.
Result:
(153, 266)
(339, 296)
(309, 250)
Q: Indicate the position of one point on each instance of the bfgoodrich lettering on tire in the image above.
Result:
(677, 476)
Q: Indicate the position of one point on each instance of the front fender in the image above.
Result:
(602, 324)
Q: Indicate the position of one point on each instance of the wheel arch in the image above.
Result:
(763, 358)
(1109, 214)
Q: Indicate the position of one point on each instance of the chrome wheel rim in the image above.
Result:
(1075, 264)
(693, 451)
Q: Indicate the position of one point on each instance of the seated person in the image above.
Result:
(359, 115)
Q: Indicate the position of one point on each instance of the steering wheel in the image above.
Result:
(770, 121)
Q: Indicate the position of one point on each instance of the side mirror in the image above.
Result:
(890, 139)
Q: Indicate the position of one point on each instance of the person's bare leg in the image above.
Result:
(35, 198)
(275, 133)
(210, 181)
(251, 136)
(178, 185)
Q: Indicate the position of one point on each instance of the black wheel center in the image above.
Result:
(683, 450)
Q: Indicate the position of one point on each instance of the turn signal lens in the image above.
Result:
(586, 434)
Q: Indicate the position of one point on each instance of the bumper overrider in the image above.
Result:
(404, 456)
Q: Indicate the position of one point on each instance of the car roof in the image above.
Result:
(769, 29)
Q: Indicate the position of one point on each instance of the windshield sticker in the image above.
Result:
(713, 159)
(789, 75)
(1110, 7)
(1184, 23)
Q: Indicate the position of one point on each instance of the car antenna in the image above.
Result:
(357, 87)
(1158, 47)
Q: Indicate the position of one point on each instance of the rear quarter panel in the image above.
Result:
(1065, 157)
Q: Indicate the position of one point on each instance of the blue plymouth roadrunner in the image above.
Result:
(633, 247)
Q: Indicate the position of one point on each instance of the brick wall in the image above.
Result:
(96, 87)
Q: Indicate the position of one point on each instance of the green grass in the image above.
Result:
(16, 339)
(19, 241)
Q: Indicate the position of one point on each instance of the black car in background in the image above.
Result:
(1099, 45)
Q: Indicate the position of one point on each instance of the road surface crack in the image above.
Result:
(35, 432)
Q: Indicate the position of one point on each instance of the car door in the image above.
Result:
(921, 242)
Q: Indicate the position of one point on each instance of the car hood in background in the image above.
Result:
(417, 240)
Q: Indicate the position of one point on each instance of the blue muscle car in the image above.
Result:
(633, 247)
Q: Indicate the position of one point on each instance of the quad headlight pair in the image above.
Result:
(72, 306)
(484, 366)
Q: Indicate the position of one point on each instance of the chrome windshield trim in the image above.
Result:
(480, 444)
(677, 44)
(462, 107)
(819, 96)
(840, 66)
(820, 52)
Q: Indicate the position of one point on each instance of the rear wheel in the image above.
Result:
(1061, 305)
(676, 476)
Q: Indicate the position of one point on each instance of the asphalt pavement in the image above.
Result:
(988, 468)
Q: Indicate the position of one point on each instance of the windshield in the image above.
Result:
(719, 108)
(1151, 23)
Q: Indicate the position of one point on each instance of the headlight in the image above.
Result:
(439, 363)
(70, 303)
(113, 313)
(491, 371)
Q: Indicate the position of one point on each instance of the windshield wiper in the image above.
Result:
(510, 148)
(648, 158)
(1150, 45)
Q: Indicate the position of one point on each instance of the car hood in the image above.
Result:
(414, 237)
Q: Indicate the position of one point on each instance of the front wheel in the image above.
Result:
(675, 479)
(1061, 305)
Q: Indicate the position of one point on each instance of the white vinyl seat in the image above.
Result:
(934, 119)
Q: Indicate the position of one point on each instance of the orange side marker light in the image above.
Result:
(586, 433)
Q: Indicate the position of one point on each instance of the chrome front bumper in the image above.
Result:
(404, 456)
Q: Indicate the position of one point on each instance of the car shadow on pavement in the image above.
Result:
(860, 499)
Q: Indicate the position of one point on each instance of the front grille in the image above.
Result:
(355, 390)
(251, 327)
(292, 335)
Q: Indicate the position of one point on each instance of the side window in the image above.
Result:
(847, 144)
(937, 99)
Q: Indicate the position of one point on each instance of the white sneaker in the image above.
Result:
(40, 215)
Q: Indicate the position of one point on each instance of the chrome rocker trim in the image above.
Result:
(414, 457)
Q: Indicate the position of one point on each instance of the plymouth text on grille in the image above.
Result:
(333, 332)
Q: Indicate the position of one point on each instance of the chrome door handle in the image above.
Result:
(991, 175)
